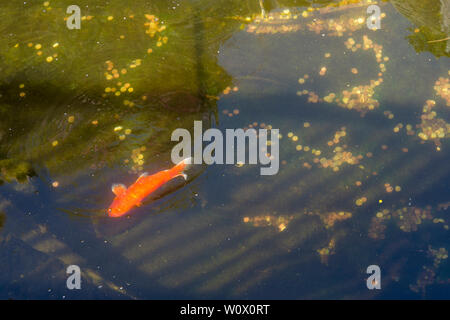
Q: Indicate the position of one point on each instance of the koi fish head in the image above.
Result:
(116, 210)
(120, 205)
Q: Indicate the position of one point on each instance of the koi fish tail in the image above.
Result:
(181, 167)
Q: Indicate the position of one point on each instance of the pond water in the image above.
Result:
(364, 169)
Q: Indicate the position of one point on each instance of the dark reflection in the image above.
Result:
(105, 90)
(2, 219)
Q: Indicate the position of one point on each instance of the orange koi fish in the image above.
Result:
(126, 199)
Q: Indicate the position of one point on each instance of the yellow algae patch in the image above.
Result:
(325, 252)
(329, 98)
(359, 202)
(278, 222)
(330, 218)
(442, 88)
(153, 25)
(377, 226)
(432, 127)
(137, 158)
(388, 114)
(407, 219)
(360, 97)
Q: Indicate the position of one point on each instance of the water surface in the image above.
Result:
(364, 123)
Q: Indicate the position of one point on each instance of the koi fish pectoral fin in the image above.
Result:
(118, 189)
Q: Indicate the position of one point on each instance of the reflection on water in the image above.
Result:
(364, 126)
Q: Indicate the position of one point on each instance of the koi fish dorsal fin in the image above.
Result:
(143, 175)
(118, 189)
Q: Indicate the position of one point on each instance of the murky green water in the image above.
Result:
(364, 170)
